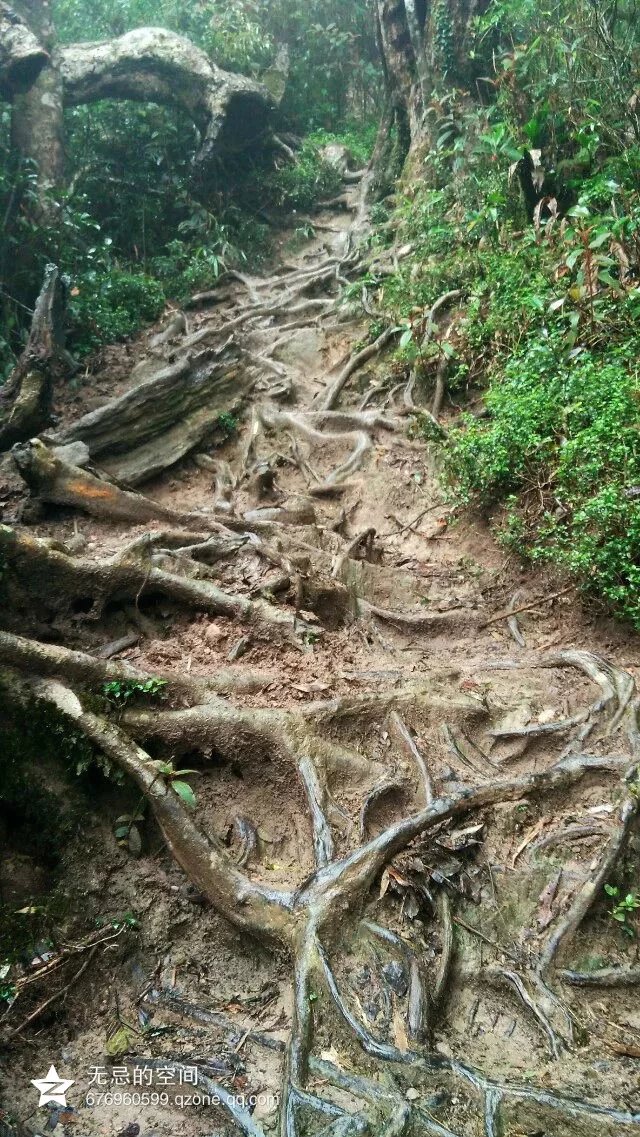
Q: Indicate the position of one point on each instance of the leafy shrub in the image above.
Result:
(563, 436)
(108, 305)
(301, 184)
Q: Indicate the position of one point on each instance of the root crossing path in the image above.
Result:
(380, 909)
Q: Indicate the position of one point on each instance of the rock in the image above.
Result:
(239, 649)
(396, 977)
(77, 544)
(214, 633)
(74, 453)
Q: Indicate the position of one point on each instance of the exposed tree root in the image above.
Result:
(313, 921)
(381, 804)
(331, 396)
(353, 429)
(433, 622)
(62, 582)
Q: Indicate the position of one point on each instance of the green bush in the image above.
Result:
(301, 184)
(108, 305)
(562, 446)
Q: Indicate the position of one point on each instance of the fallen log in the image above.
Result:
(56, 481)
(145, 431)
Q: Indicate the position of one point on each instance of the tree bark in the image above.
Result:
(25, 399)
(37, 116)
(425, 47)
(155, 65)
(22, 56)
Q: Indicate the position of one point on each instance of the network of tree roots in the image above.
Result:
(384, 939)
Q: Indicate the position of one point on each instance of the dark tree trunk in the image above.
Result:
(25, 399)
(425, 47)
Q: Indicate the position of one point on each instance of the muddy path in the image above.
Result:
(385, 912)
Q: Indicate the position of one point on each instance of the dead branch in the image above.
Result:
(509, 612)
(25, 399)
(404, 736)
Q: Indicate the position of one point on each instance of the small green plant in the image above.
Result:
(7, 988)
(127, 830)
(123, 920)
(228, 424)
(120, 691)
(624, 907)
(175, 780)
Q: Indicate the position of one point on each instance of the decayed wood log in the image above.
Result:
(25, 401)
(154, 425)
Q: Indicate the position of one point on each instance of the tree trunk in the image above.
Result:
(425, 47)
(25, 399)
(37, 117)
(145, 431)
(22, 56)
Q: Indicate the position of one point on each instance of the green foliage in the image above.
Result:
(120, 691)
(228, 424)
(305, 182)
(300, 184)
(547, 325)
(624, 907)
(175, 779)
(110, 305)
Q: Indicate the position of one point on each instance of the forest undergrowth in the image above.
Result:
(539, 342)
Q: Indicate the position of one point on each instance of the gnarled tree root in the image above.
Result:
(313, 922)
(61, 582)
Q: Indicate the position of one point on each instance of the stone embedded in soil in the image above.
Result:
(214, 633)
(396, 977)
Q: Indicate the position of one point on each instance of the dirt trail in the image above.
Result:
(468, 982)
